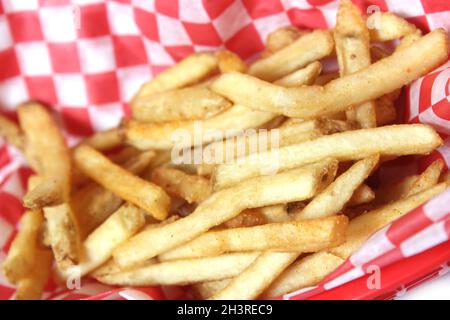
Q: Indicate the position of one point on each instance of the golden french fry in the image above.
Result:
(277, 213)
(104, 140)
(32, 285)
(306, 272)
(189, 187)
(364, 194)
(363, 226)
(205, 290)
(386, 26)
(99, 245)
(21, 256)
(124, 184)
(294, 185)
(427, 179)
(282, 37)
(308, 48)
(350, 145)
(183, 104)
(11, 132)
(297, 236)
(370, 83)
(304, 76)
(229, 61)
(111, 267)
(247, 218)
(46, 193)
(195, 67)
(182, 272)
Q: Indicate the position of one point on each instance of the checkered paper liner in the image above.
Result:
(86, 58)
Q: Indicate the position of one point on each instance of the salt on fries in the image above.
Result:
(284, 201)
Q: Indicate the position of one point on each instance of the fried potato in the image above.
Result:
(282, 37)
(20, 259)
(364, 194)
(111, 267)
(189, 187)
(304, 76)
(276, 213)
(229, 62)
(32, 285)
(194, 68)
(297, 236)
(308, 48)
(104, 140)
(386, 26)
(351, 145)
(247, 218)
(205, 290)
(181, 104)
(11, 132)
(294, 185)
(306, 272)
(181, 272)
(370, 83)
(427, 179)
(139, 192)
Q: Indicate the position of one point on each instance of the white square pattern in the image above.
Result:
(106, 116)
(71, 90)
(58, 23)
(171, 31)
(414, 8)
(144, 5)
(121, 19)
(12, 92)
(20, 5)
(34, 58)
(130, 80)
(96, 55)
(156, 53)
(192, 11)
(5, 34)
(232, 20)
(270, 23)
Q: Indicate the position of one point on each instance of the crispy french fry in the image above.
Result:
(189, 187)
(195, 67)
(308, 48)
(297, 236)
(277, 213)
(165, 136)
(104, 140)
(386, 26)
(21, 256)
(11, 132)
(205, 290)
(370, 83)
(294, 185)
(364, 194)
(182, 272)
(183, 104)
(141, 193)
(99, 245)
(229, 62)
(247, 218)
(364, 225)
(306, 272)
(351, 145)
(282, 37)
(111, 267)
(427, 179)
(304, 76)
(32, 285)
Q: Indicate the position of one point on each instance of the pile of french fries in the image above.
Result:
(117, 208)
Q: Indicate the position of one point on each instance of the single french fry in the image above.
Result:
(182, 104)
(181, 134)
(189, 187)
(409, 39)
(276, 213)
(11, 132)
(350, 145)
(205, 290)
(141, 193)
(380, 78)
(229, 62)
(364, 194)
(104, 140)
(327, 202)
(181, 272)
(308, 48)
(195, 67)
(99, 245)
(386, 26)
(21, 255)
(300, 77)
(32, 285)
(363, 226)
(282, 37)
(111, 267)
(427, 179)
(296, 236)
(294, 185)
(306, 272)
(247, 218)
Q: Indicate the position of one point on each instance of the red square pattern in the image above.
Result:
(168, 8)
(129, 51)
(146, 21)
(42, 89)
(76, 121)
(25, 26)
(250, 37)
(421, 23)
(102, 88)
(179, 52)
(215, 8)
(9, 65)
(309, 19)
(258, 9)
(93, 21)
(431, 6)
(202, 33)
(64, 57)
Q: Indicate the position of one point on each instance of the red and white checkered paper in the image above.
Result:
(86, 58)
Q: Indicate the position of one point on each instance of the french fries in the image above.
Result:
(364, 194)
(386, 26)
(11, 133)
(304, 76)
(370, 83)
(182, 104)
(281, 38)
(141, 193)
(351, 145)
(104, 140)
(308, 48)
(229, 62)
